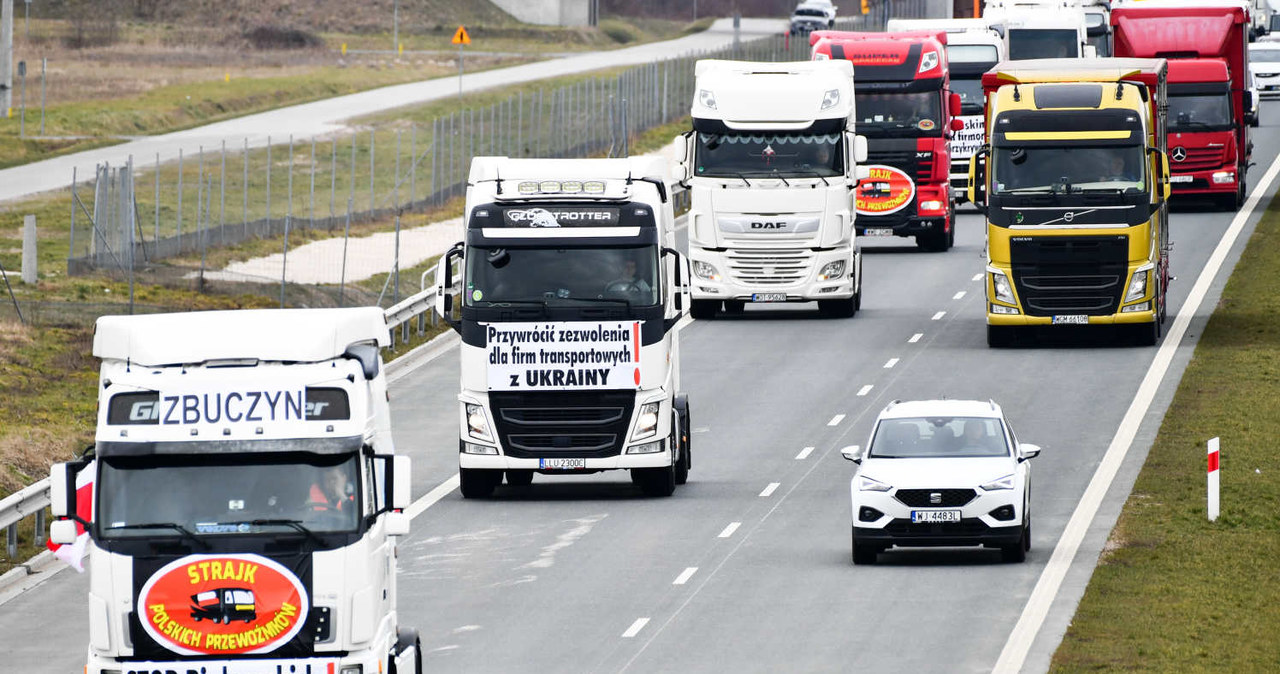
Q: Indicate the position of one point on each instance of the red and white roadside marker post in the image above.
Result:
(1213, 479)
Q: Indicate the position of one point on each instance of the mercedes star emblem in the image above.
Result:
(1179, 153)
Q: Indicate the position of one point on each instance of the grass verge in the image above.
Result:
(1174, 592)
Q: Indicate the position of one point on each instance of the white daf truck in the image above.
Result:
(567, 296)
(773, 164)
(247, 497)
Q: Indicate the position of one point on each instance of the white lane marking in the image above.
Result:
(804, 454)
(1014, 654)
(419, 506)
(865, 389)
(890, 363)
(685, 576)
(915, 338)
(835, 421)
(958, 296)
(768, 491)
(635, 628)
(976, 277)
(728, 531)
(938, 316)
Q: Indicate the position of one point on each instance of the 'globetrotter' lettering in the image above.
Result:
(223, 605)
(565, 356)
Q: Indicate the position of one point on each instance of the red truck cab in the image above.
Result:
(1209, 97)
(906, 111)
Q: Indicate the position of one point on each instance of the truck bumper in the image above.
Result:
(730, 285)
(1216, 181)
(932, 214)
(1126, 318)
(622, 461)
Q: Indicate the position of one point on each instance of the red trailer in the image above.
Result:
(905, 109)
(1207, 48)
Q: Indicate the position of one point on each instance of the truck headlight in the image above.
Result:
(831, 270)
(1224, 177)
(1137, 286)
(646, 422)
(867, 484)
(706, 98)
(931, 205)
(831, 99)
(473, 448)
(1000, 283)
(999, 483)
(352, 669)
(647, 448)
(477, 424)
(705, 271)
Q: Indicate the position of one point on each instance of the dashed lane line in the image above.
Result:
(804, 454)
(890, 363)
(685, 576)
(865, 389)
(915, 338)
(768, 491)
(635, 628)
(835, 421)
(938, 316)
(728, 531)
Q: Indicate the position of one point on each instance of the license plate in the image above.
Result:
(307, 666)
(877, 231)
(929, 516)
(562, 464)
(769, 297)
(1180, 179)
(1071, 319)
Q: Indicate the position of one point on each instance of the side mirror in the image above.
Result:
(679, 279)
(859, 148)
(61, 495)
(954, 102)
(397, 524)
(680, 153)
(444, 284)
(977, 190)
(861, 173)
(1028, 451)
(1248, 104)
(401, 497)
(852, 453)
(957, 124)
(63, 532)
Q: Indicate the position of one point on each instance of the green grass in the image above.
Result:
(1174, 592)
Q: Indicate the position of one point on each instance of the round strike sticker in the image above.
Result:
(925, 124)
(887, 190)
(223, 605)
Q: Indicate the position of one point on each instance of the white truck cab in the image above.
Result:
(247, 496)
(1041, 28)
(567, 298)
(773, 165)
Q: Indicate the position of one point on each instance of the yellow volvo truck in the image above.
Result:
(1073, 179)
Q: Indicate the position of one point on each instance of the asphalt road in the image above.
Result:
(330, 115)
(747, 568)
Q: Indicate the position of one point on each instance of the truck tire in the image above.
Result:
(407, 638)
(519, 478)
(658, 482)
(703, 308)
(999, 336)
(682, 465)
(478, 483)
(838, 308)
(936, 242)
(734, 307)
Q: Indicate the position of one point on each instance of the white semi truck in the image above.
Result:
(247, 496)
(773, 165)
(1035, 29)
(567, 297)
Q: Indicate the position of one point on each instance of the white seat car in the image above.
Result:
(941, 473)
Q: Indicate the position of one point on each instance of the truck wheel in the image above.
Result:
(838, 308)
(934, 242)
(734, 307)
(519, 478)
(478, 483)
(655, 481)
(703, 308)
(682, 463)
(999, 336)
(1147, 334)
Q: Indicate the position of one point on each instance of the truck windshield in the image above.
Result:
(1266, 55)
(1043, 44)
(970, 92)
(563, 276)
(1200, 112)
(938, 437)
(972, 53)
(1066, 170)
(269, 494)
(767, 154)
(899, 115)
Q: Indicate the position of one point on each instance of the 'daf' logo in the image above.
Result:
(887, 190)
(223, 605)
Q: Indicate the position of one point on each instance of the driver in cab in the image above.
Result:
(333, 493)
(629, 282)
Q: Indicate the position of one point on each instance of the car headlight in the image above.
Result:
(999, 483)
(867, 484)
(1137, 286)
(705, 271)
(831, 99)
(1000, 282)
(477, 424)
(646, 421)
(706, 98)
(831, 270)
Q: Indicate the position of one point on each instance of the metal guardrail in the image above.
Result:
(16, 507)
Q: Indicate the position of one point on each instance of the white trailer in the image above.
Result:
(773, 164)
(567, 300)
(247, 496)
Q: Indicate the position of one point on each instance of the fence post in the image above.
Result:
(396, 184)
(244, 188)
(435, 154)
(200, 208)
(71, 249)
(346, 240)
(157, 198)
(520, 125)
(333, 180)
(222, 195)
(313, 181)
(413, 163)
(268, 218)
(372, 169)
(179, 199)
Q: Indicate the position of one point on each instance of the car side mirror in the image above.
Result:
(1027, 451)
(852, 453)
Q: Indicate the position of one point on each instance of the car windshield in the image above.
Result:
(810, 11)
(562, 276)
(769, 155)
(1264, 55)
(938, 437)
(899, 115)
(151, 496)
(1066, 170)
(1043, 44)
(1199, 112)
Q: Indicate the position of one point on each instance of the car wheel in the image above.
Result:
(477, 483)
(863, 553)
(1016, 553)
(519, 478)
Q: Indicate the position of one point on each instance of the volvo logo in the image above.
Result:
(1178, 153)
(1068, 216)
(935, 498)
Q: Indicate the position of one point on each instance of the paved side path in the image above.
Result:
(323, 117)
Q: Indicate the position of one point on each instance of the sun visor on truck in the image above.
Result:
(819, 127)
(313, 445)
(1068, 127)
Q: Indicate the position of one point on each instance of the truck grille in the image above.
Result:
(1199, 159)
(570, 424)
(920, 169)
(923, 498)
(1070, 275)
(769, 266)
